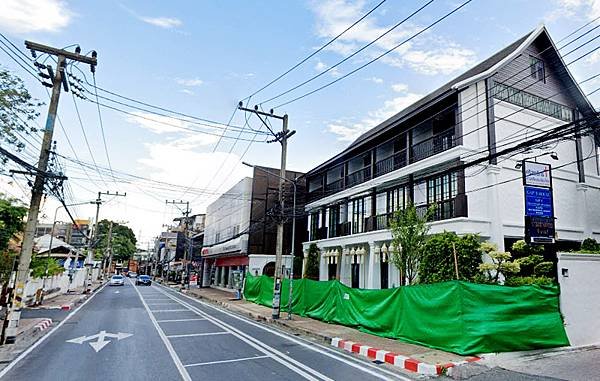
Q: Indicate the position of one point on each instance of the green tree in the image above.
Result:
(123, 241)
(500, 264)
(17, 110)
(409, 233)
(11, 223)
(437, 260)
(312, 263)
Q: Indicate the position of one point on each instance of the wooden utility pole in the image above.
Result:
(281, 137)
(58, 79)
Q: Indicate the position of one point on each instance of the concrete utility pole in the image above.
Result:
(186, 251)
(281, 137)
(109, 246)
(94, 235)
(58, 79)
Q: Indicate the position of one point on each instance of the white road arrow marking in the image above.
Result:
(117, 292)
(101, 342)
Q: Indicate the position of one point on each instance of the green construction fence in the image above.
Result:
(459, 317)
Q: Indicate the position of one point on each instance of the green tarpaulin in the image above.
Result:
(459, 317)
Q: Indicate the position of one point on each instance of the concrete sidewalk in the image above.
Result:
(408, 356)
(66, 301)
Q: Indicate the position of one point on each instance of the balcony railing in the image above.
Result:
(358, 177)
(422, 150)
(335, 186)
(443, 210)
(389, 164)
(432, 146)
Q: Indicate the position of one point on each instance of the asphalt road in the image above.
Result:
(141, 333)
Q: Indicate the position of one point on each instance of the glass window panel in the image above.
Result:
(420, 190)
(381, 203)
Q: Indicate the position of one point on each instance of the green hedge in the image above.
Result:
(460, 317)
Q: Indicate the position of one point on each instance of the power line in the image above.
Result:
(456, 9)
(351, 55)
(318, 50)
(101, 125)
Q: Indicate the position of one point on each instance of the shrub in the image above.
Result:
(543, 269)
(437, 261)
(500, 264)
(312, 262)
(521, 249)
(516, 281)
(590, 245)
(528, 264)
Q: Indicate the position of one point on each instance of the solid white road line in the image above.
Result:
(178, 320)
(37, 343)
(182, 371)
(226, 361)
(199, 334)
(161, 304)
(176, 310)
(349, 360)
(285, 360)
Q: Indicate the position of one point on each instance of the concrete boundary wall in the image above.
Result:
(579, 279)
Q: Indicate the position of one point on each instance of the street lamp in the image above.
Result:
(552, 154)
(293, 182)
(50, 245)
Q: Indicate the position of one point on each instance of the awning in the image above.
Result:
(241, 260)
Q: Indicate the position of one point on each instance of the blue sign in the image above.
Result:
(538, 202)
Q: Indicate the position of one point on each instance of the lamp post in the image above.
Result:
(50, 245)
(293, 182)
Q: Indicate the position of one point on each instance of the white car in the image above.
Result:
(117, 280)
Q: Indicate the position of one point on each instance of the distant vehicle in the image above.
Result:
(117, 280)
(143, 280)
(132, 274)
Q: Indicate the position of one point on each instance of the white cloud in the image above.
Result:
(593, 58)
(400, 87)
(188, 92)
(162, 22)
(26, 16)
(190, 82)
(427, 54)
(589, 9)
(184, 135)
(321, 67)
(351, 131)
(375, 80)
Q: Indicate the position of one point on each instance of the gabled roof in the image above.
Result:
(42, 244)
(480, 71)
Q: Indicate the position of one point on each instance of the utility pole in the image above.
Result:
(109, 246)
(58, 79)
(281, 137)
(94, 234)
(186, 251)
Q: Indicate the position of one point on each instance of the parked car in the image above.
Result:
(132, 274)
(117, 280)
(143, 280)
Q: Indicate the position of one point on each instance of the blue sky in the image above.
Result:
(202, 57)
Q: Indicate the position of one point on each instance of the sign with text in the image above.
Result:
(538, 202)
(537, 174)
(540, 229)
(539, 208)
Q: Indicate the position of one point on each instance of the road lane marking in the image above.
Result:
(285, 360)
(178, 310)
(100, 343)
(226, 361)
(182, 371)
(199, 334)
(161, 304)
(178, 320)
(37, 343)
(349, 360)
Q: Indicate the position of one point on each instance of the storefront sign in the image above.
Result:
(539, 209)
(538, 202)
(537, 174)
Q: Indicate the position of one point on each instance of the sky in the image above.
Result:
(201, 58)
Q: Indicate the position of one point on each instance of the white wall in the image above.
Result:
(229, 210)
(256, 263)
(580, 297)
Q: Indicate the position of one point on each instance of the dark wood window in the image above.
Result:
(334, 220)
(314, 225)
(360, 209)
(536, 69)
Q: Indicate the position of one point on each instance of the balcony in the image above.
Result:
(389, 164)
(420, 151)
(432, 146)
(358, 177)
(443, 210)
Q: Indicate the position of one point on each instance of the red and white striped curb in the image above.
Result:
(44, 324)
(397, 359)
(66, 307)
